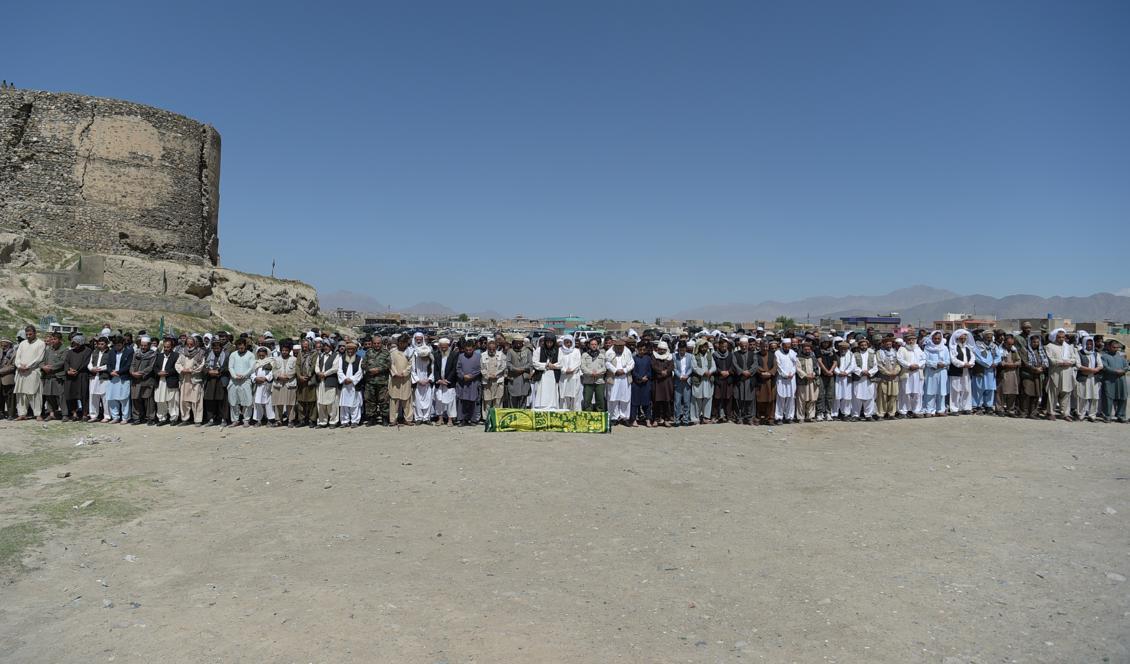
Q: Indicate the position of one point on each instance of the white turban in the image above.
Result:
(958, 335)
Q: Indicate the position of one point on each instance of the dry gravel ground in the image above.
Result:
(949, 540)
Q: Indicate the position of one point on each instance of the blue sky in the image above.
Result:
(635, 158)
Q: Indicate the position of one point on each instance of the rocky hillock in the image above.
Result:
(39, 280)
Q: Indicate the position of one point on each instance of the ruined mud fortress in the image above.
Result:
(109, 176)
(110, 210)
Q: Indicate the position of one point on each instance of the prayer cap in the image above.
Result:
(78, 339)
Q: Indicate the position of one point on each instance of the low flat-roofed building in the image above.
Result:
(382, 319)
(560, 324)
(888, 323)
(1038, 323)
(970, 323)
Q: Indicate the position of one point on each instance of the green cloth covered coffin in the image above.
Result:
(522, 419)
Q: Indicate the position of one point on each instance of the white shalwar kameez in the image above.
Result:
(570, 387)
(545, 397)
(960, 386)
(349, 399)
(444, 395)
(262, 401)
(422, 379)
(166, 398)
(620, 389)
(845, 369)
(786, 385)
(864, 390)
(911, 381)
(97, 396)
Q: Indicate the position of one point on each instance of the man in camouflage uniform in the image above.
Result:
(375, 367)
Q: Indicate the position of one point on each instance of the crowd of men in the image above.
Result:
(669, 380)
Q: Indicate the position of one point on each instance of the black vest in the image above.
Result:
(169, 366)
(324, 363)
(962, 354)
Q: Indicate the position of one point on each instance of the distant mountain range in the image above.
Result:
(917, 305)
(1100, 306)
(922, 305)
(816, 307)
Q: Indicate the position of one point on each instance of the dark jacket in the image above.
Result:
(127, 361)
(437, 367)
(169, 366)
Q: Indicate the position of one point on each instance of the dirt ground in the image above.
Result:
(951, 540)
